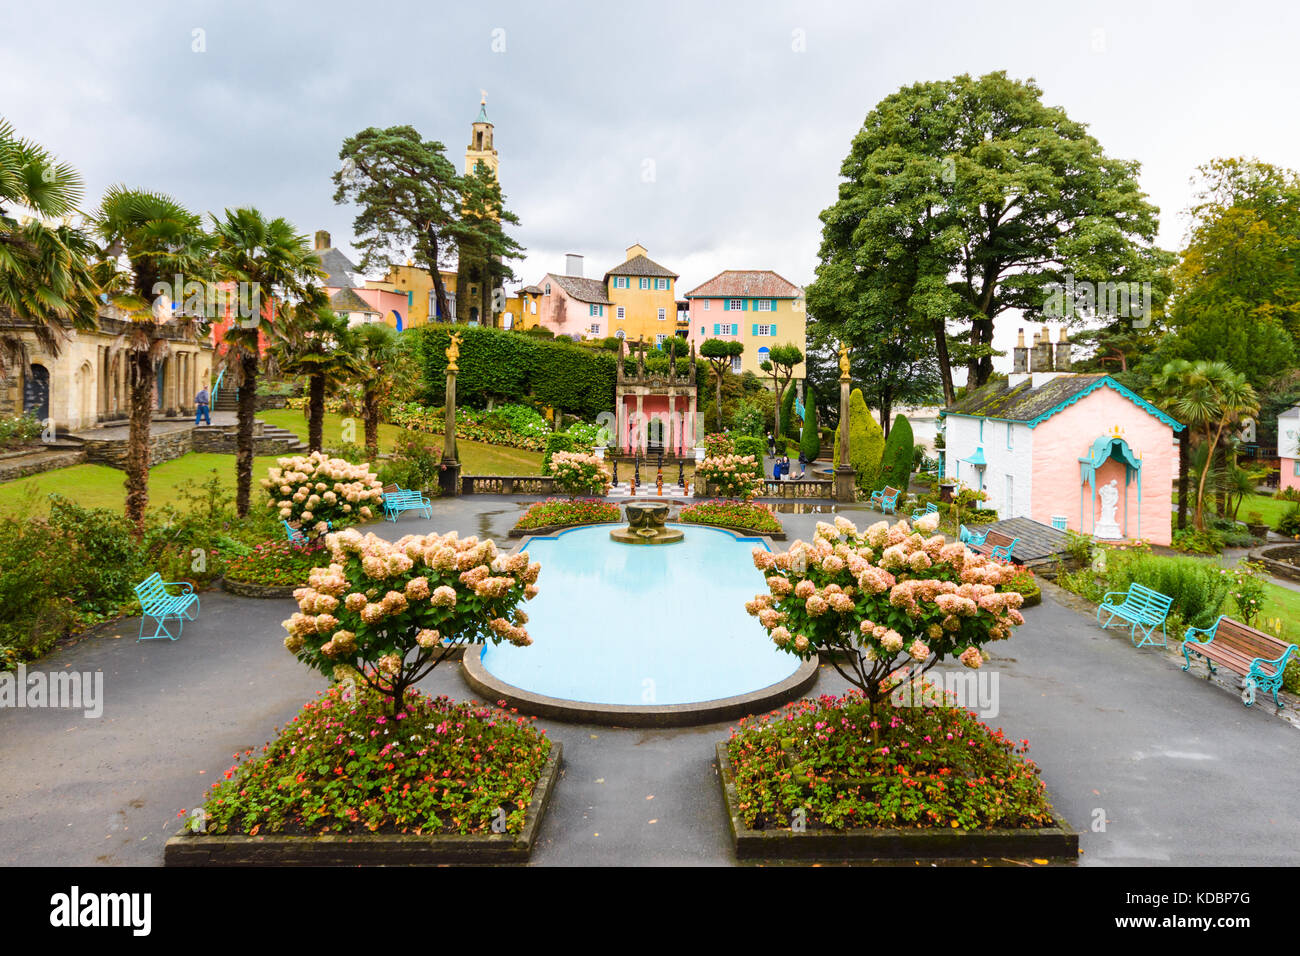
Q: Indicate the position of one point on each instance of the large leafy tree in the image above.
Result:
(279, 265)
(965, 198)
(482, 245)
(1211, 399)
(46, 281)
(410, 199)
(159, 240)
(323, 350)
(719, 353)
(1236, 287)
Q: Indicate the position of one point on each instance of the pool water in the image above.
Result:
(643, 624)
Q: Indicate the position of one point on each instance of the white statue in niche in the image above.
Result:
(1107, 526)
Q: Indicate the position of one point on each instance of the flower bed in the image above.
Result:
(736, 515)
(347, 765)
(564, 512)
(1025, 584)
(934, 767)
(276, 565)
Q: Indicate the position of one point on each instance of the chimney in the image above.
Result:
(1041, 360)
(322, 239)
(1062, 352)
(573, 265)
(1020, 356)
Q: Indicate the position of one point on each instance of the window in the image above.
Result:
(620, 334)
(706, 305)
(663, 314)
(643, 283)
(1010, 501)
(735, 305)
(981, 429)
(1297, 469)
(763, 354)
(595, 310)
(533, 306)
(735, 363)
(621, 312)
(548, 288)
(661, 283)
(659, 339)
(1010, 439)
(763, 329)
(595, 328)
(764, 305)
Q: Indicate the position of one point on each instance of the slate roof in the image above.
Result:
(742, 283)
(1037, 543)
(346, 300)
(338, 268)
(532, 290)
(640, 266)
(1029, 405)
(584, 290)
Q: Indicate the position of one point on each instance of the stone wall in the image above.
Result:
(37, 461)
(162, 448)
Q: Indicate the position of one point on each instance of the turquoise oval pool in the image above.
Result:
(643, 624)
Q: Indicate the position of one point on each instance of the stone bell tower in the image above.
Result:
(480, 148)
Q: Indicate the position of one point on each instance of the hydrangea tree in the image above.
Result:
(577, 473)
(392, 612)
(734, 476)
(888, 602)
(317, 491)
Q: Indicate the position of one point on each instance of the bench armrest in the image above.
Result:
(188, 588)
(1105, 598)
(1201, 630)
(1277, 661)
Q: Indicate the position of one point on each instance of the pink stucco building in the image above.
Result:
(1066, 449)
(1288, 447)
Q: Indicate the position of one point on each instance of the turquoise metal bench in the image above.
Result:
(886, 499)
(1259, 658)
(297, 537)
(974, 538)
(1142, 609)
(160, 604)
(930, 509)
(399, 500)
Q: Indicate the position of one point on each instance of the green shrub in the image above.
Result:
(719, 444)
(415, 465)
(866, 441)
(1195, 541)
(810, 443)
(1289, 523)
(750, 419)
(789, 420)
(1198, 588)
(350, 452)
(896, 461)
(556, 441)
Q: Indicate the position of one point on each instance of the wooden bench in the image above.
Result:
(1142, 609)
(930, 509)
(160, 604)
(886, 499)
(995, 544)
(400, 499)
(1259, 658)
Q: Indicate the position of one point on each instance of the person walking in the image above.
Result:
(201, 407)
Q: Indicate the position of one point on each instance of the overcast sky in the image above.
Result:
(711, 134)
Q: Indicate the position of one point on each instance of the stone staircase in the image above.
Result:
(268, 439)
(227, 400)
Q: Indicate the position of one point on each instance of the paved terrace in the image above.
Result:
(1114, 729)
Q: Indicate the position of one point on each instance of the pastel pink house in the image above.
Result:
(1048, 445)
(1288, 447)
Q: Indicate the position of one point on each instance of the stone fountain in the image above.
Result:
(645, 525)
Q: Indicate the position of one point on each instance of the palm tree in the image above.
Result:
(1210, 398)
(272, 258)
(321, 349)
(160, 239)
(377, 353)
(45, 276)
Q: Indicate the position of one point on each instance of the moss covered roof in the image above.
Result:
(1024, 403)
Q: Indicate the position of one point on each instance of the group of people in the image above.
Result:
(781, 469)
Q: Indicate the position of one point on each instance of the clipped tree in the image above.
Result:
(719, 353)
(810, 443)
(866, 441)
(896, 462)
(787, 413)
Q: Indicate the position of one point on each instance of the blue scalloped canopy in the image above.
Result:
(1102, 450)
(977, 458)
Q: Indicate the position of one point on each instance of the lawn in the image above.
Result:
(1282, 603)
(1271, 509)
(98, 486)
(476, 458)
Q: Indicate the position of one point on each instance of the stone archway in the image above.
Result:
(36, 392)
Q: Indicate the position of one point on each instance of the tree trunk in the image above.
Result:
(137, 444)
(439, 291)
(979, 368)
(717, 372)
(370, 419)
(244, 433)
(315, 411)
(945, 362)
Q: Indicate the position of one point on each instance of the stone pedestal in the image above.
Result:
(846, 483)
(449, 478)
(845, 476)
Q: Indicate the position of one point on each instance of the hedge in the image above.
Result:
(556, 441)
(748, 445)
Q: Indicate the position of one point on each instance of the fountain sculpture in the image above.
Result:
(645, 525)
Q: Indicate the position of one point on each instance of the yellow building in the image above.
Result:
(418, 286)
(643, 299)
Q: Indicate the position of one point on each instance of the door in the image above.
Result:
(36, 392)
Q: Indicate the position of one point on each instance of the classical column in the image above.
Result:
(449, 479)
(845, 478)
(641, 430)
